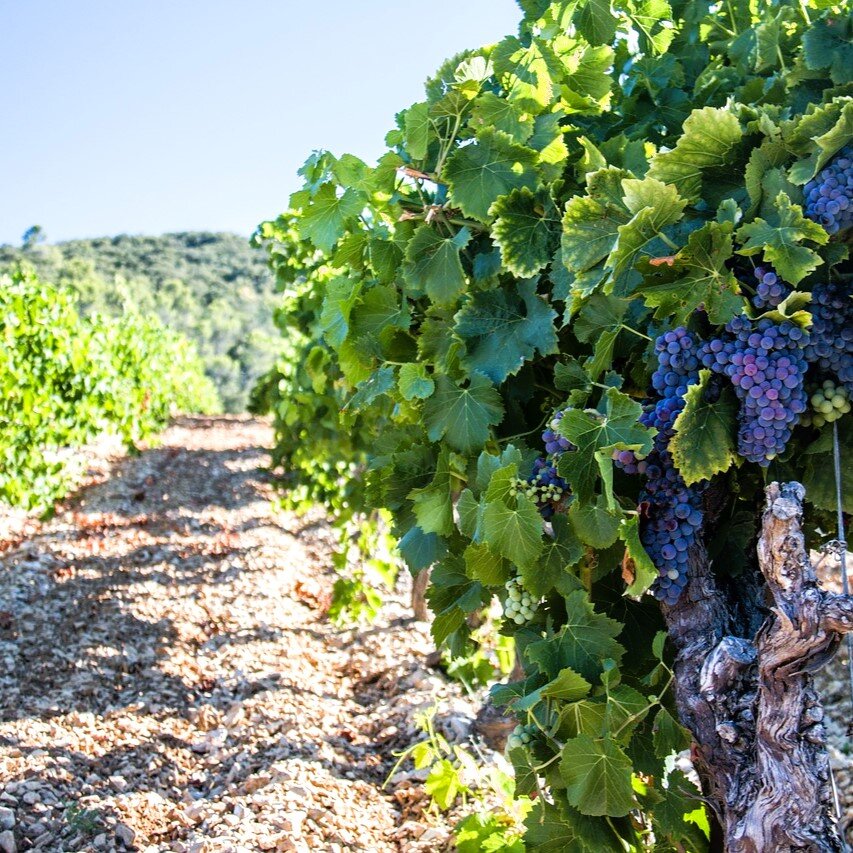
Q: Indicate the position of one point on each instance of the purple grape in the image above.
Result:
(545, 487)
(770, 291)
(830, 346)
(555, 444)
(766, 364)
(829, 195)
(673, 510)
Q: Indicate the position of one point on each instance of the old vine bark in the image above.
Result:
(744, 688)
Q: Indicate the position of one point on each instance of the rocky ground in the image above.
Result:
(168, 680)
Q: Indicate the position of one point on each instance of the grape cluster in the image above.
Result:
(830, 345)
(544, 486)
(771, 291)
(674, 518)
(520, 606)
(673, 510)
(766, 363)
(829, 195)
(520, 736)
(829, 403)
(555, 444)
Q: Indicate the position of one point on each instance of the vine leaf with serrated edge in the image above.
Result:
(618, 428)
(585, 640)
(705, 439)
(480, 173)
(502, 330)
(779, 238)
(462, 416)
(597, 774)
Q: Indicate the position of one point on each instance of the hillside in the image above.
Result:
(214, 288)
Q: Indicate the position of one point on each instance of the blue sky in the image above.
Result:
(146, 116)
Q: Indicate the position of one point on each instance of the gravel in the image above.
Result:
(169, 681)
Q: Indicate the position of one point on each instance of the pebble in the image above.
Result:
(7, 818)
(7, 842)
(125, 834)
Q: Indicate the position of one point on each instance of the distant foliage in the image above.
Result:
(212, 288)
(65, 378)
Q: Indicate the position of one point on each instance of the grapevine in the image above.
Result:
(626, 225)
(65, 379)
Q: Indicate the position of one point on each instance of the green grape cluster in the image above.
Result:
(829, 403)
(520, 606)
(520, 736)
(538, 490)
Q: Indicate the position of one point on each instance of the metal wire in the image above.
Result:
(840, 548)
(842, 543)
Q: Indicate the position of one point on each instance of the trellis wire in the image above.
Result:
(842, 543)
(845, 588)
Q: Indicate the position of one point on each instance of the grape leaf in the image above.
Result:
(709, 137)
(705, 440)
(697, 277)
(674, 814)
(420, 550)
(433, 504)
(433, 264)
(590, 431)
(414, 382)
(594, 524)
(462, 416)
(527, 72)
(484, 565)
(595, 21)
(568, 686)
(502, 330)
(827, 44)
(379, 382)
(562, 551)
(526, 231)
(586, 639)
(491, 111)
(324, 220)
(669, 735)
(654, 205)
(514, 533)
(645, 571)
(342, 293)
(481, 173)
(600, 320)
(591, 223)
(779, 237)
(417, 127)
(598, 776)
(649, 17)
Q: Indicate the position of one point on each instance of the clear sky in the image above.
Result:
(147, 116)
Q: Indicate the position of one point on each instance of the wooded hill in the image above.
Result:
(212, 287)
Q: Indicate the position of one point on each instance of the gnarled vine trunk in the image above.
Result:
(744, 688)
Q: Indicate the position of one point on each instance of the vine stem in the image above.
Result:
(842, 542)
(638, 334)
(664, 239)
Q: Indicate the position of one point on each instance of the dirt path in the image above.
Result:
(168, 682)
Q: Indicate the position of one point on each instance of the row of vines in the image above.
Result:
(593, 300)
(65, 379)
